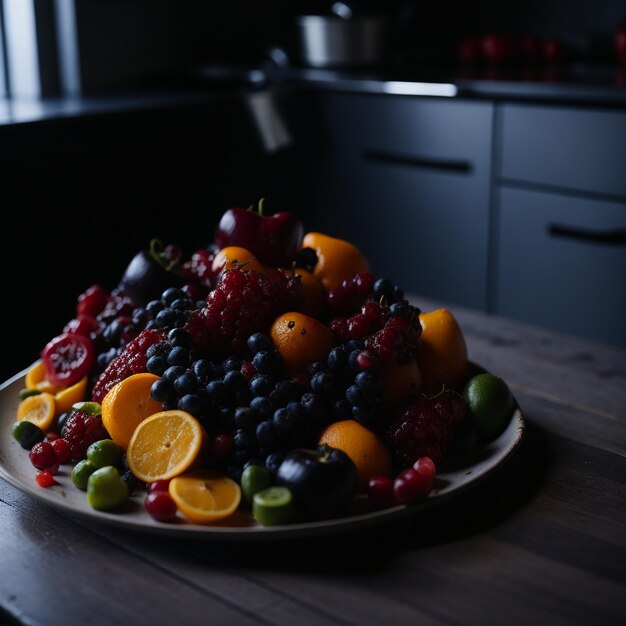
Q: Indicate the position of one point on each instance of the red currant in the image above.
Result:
(45, 478)
(50, 437)
(161, 506)
(158, 485)
(62, 450)
(411, 486)
(92, 301)
(43, 456)
(221, 447)
(380, 492)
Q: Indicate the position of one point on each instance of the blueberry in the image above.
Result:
(283, 419)
(244, 439)
(234, 473)
(267, 362)
(262, 405)
(253, 461)
(182, 304)
(217, 391)
(190, 402)
(398, 294)
(354, 344)
(288, 388)
(151, 325)
(231, 364)
(186, 383)
(314, 368)
(297, 411)
(245, 417)
(337, 359)
(261, 385)
(112, 333)
(234, 380)
(172, 373)
(367, 381)
(226, 418)
(383, 287)
(140, 317)
(218, 371)
(171, 404)
(171, 294)
(131, 481)
(158, 349)
(202, 367)
(353, 362)
(322, 383)
(259, 342)
(400, 309)
(166, 317)
(200, 304)
(154, 306)
(265, 432)
(364, 416)
(156, 365)
(356, 396)
(161, 390)
(313, 404)
(273, 461)
(178, 356)
(306, 258)
(179, 338)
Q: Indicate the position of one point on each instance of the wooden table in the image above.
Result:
(541, 541)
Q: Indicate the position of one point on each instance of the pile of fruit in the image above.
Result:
(271, 372)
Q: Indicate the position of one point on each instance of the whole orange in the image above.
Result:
(442, 352)
(337, 259)
(301, 340)
(232, 257)
(314, 294)
(365, 448)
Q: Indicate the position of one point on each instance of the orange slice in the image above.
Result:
(36, 379)
(39, 410)
(164, 445)
(205, 496)
(71, 395)
(126, 405)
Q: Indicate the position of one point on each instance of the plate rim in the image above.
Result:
(250, 533)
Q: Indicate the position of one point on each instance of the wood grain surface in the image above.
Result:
(541, 541)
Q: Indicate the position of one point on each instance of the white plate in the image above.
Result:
(16, 469)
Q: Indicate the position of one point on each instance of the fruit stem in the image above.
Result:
(156, 252)
(261, 206)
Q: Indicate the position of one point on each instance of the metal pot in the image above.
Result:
(331, 41)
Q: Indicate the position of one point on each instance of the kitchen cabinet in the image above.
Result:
(561, 264)
(560, 207)
(408, 180)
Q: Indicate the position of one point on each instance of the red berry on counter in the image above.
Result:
(45, 478)
(411, 486)
(158, 485)
(92, 301)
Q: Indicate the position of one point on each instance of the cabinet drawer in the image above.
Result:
(565, 147)
(562, 263)
(446, 135)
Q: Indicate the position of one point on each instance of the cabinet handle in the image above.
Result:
(614, 237)
(463, 167)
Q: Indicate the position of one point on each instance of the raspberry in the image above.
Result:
(198, 268)
(243, 303)
(80, 431)
(425, 428)
(397, 341)
(132, 360)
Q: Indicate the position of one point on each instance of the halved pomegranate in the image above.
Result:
(67, 358)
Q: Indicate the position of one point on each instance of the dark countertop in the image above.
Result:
(541, 540)
(575, 83)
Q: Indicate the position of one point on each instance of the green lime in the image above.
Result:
(106, 489)
(81, 473)
(273, 506)
(490, 403)
(27, 434)
(104, 452)
(27, 393)
(91, 408)
(254, 479)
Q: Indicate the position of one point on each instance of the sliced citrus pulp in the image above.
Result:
(71, 395)
(164, 445)
(39, 409)
(126, 405)
(205, 496)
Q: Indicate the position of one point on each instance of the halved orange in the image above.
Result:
(39, 409)
(205, 496)
(126, 405)
(71, 395)
(36, 379)
(164, 445)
